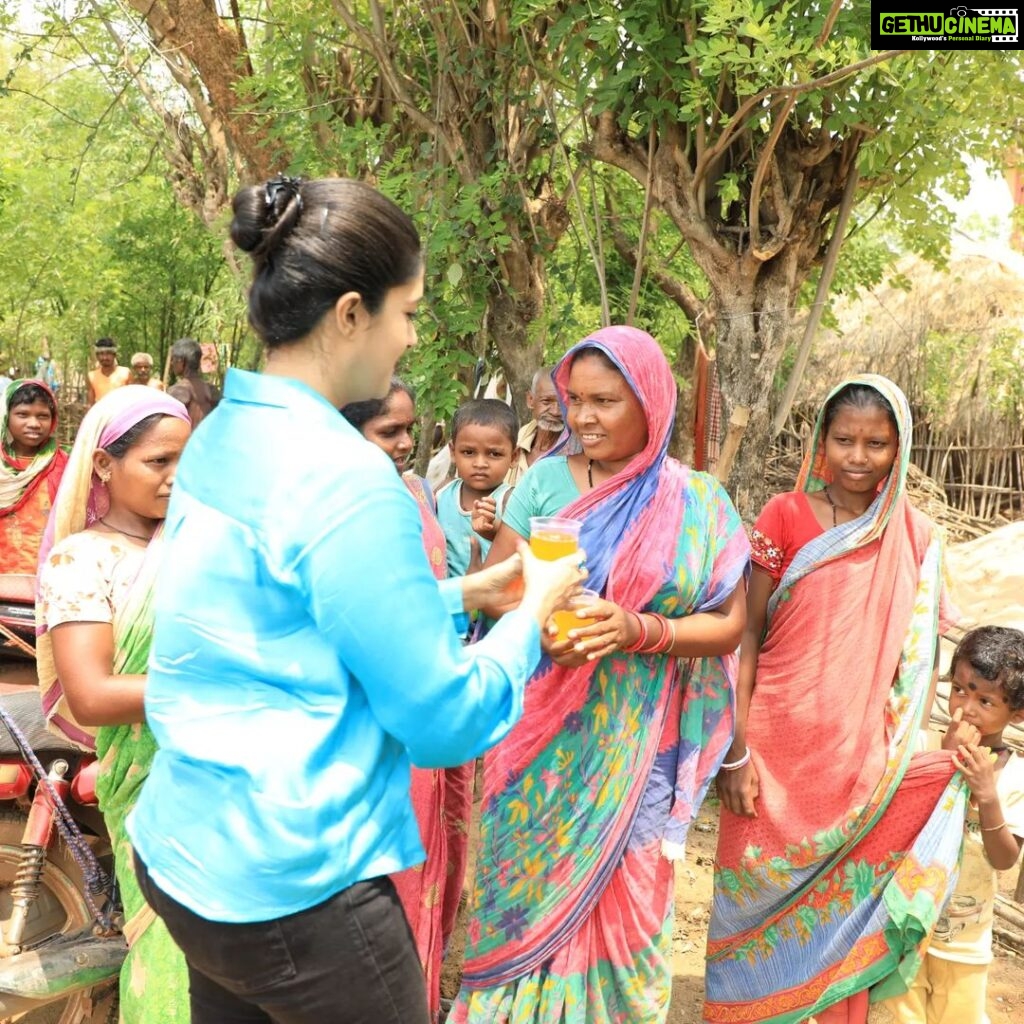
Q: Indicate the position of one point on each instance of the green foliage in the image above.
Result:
(92, 239)
(488, 123)
(692, 65)
(956, 364)
(983, 228)
(321, 93)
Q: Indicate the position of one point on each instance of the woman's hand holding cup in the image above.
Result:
(604, 630)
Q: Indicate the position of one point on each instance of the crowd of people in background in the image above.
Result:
(184, 366)
(289, 651)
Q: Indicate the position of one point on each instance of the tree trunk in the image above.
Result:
(753, 318)
(681, 443)
(512, 311)
(191, 34)
(520, 354)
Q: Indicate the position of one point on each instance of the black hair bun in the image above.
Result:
(250, 218)
(265, 214)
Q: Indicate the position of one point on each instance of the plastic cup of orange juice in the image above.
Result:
(552, 537)
(568, 618)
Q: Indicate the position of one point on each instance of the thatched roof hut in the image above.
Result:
(953, 339)
(948, 337)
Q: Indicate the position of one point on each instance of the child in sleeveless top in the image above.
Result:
(469, 508)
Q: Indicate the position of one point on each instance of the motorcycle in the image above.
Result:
(61, 947)
(18, 614)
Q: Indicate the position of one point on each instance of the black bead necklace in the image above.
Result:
(125, 533)
(828, 498)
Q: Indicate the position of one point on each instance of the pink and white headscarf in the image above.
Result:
(81, 501)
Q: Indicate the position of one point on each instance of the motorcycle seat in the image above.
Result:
(18, 587)
(27, 711)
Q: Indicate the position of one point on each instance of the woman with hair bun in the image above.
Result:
(304, 654)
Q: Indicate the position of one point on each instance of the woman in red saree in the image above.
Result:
(31, 465)
(442, 799)
(837, 844)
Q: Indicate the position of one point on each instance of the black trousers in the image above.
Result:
(349, 960)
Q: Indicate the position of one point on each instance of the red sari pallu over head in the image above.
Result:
(831, 890)
(28, 487)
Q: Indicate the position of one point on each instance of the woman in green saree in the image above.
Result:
(98, 561)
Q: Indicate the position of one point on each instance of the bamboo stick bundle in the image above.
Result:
(1008, 937)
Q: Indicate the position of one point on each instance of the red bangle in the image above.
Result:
(641, 641)
(667, 637)
(652, 647)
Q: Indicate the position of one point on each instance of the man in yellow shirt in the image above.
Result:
(107, 375)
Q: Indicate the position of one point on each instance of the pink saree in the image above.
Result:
(442, 802)
(590, 796)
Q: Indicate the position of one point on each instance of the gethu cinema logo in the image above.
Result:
(961, 21)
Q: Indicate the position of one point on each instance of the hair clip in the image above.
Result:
(279, 191)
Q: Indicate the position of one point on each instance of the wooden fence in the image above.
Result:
(984, 478)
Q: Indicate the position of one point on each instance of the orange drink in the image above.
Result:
(552, 537)
(551, 545)
(567, 618)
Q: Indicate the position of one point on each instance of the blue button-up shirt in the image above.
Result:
(303, 652)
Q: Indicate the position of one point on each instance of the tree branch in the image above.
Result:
(830, 21)
(397, 83)
(243, 43)
(208, 190)
(695, 75)
(767, 154)
(203, 55)
(46, 103)
(678, 291)
(824, 284)
(593, 245)
(645, 224)
(611, 146)
(781, 92)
